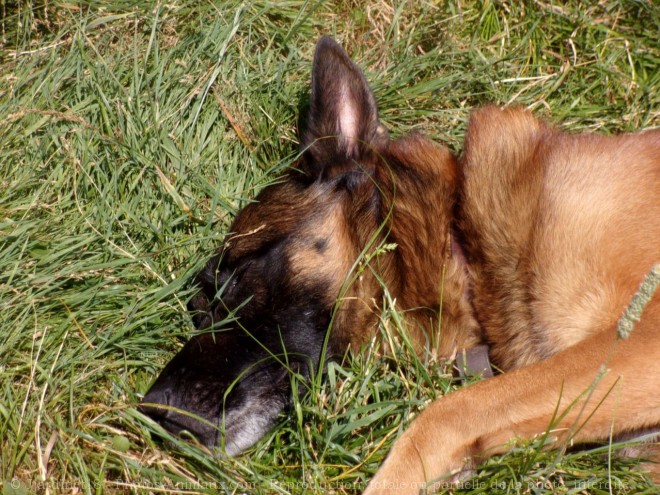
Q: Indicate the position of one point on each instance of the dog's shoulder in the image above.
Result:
(501, 179)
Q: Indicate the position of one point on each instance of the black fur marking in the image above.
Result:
(321, 245)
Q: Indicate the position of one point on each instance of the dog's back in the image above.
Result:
(560, 229)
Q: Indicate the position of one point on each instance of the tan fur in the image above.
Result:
(558, 231)
(420, 273)
(426, 273)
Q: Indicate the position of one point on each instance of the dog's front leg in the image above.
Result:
(437, 444)
(585, 392)
(445, 441)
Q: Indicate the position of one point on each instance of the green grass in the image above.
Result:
(129, 137)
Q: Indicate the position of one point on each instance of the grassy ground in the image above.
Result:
(129, 136)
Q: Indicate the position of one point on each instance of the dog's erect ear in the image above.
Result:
(343, 118)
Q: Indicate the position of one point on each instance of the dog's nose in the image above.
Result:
(151, 401)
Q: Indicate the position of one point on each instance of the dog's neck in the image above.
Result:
(428, 273)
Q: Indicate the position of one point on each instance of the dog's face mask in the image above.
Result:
(267, 298)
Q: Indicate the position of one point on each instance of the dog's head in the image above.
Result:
(288, 268)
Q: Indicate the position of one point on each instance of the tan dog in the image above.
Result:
(533, 243)
(559, 231)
